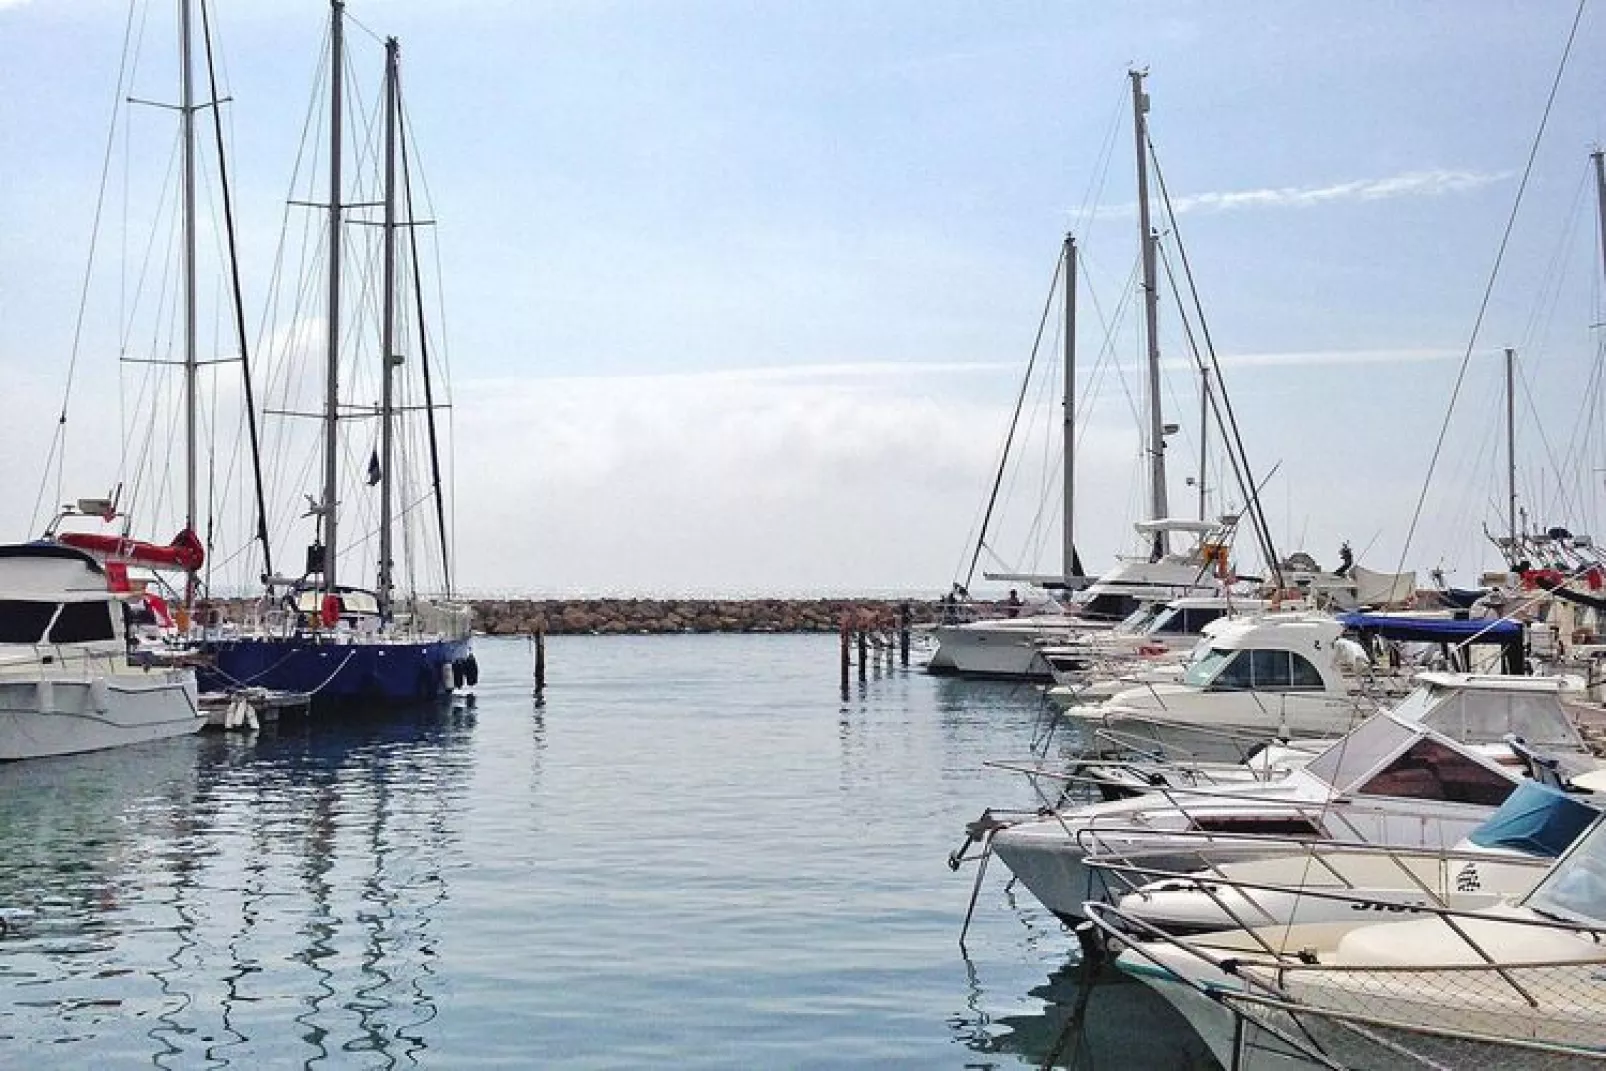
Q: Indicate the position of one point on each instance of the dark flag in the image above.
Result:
(374, 471)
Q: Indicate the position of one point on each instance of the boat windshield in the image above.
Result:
(1575, 888)
(1205, 666)
(1138, 620)
(1168, 620)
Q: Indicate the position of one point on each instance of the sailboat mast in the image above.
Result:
(1511, 446)
(1069, 532)
(1600, 197)
(1151, 315)
(191, 367)
(387, 344)
(1204, 435)
(331, 397)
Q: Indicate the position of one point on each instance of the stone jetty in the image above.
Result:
(501, 617)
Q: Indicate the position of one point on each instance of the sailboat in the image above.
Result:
(1010, 648)
(317, 634)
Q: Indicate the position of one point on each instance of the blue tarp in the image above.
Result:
(1536, 819)
(1434, 629)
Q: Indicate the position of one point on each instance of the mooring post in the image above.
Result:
(904, 614)
(540, 659)
(864, 650)
(846, 657)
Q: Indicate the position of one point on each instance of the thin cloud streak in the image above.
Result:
(903, 370)
(1434, 183)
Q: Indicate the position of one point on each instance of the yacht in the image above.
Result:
(1011, 647)
(1286, 675)
(67, 684)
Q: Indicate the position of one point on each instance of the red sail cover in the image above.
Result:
(185, 552)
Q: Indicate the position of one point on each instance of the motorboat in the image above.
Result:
(1153, 632)
(1285, 675)
(1516, 984)
(1011, 647)
(1504, 858)
(67, 684)
(1422, 775)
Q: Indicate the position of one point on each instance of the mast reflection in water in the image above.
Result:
(271, 900)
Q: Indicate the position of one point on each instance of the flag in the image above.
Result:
(374, 471)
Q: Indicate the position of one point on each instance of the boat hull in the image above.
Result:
(332, 672)
(42, 717)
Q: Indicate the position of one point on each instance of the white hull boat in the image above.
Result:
(1424, 776)
(66, 682)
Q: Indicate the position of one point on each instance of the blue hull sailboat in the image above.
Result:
(315, 635)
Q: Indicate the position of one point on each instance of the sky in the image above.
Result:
(738, 295)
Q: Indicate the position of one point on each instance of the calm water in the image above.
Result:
(695, 855)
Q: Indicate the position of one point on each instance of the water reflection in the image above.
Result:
(261, 902)
(1117, 1023)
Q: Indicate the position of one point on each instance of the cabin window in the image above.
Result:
(1279, 825)
(1205, 664)
(1268, 671)
(82, 622)
(1171, 620)
(1302, 674)
(1109, 606)
(22, 621)
(1429, 770)
(1194, 621)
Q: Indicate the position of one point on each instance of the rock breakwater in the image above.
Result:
(501, 617)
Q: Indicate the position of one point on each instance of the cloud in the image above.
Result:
(1434, 183)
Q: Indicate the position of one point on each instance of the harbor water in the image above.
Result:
(694, 854)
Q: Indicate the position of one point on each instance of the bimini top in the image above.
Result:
(1536, 819)
(1434, 629)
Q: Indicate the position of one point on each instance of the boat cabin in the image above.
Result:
(51, 594)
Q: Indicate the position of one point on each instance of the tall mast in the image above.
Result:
(1511, 447)
(331, 395)
(1151, 315)
(1204, 434)
(1600, 196)
(1069, 532)
(387, 342)
(191, 368)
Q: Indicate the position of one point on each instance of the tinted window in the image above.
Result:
(1429, 770)
(1204, 665)
(1109, 606)
(80, 622)
(1287, 825)
(1236, 676)
(1303, 675)
(1269, 669)
(24, 622)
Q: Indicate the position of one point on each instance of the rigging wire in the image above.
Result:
(57, 453)
(1488, 290)
(981, 538)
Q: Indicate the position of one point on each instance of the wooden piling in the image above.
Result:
(864, 652)
(846, 657)
(903, 633)
(540, 659)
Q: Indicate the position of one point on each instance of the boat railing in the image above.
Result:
(1124, 864)
(1120, 930)
(1284, 964)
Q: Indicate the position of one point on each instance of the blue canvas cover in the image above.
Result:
(1433, 629)
(1536, 819)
